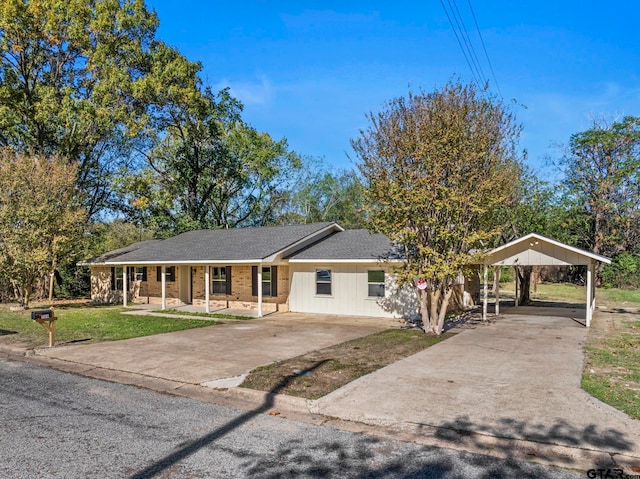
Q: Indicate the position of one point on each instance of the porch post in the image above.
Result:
(259, 290)
(207, 269)
(496, 278)
(125, 286)
(485, 299)
(589, 305)
(163, 276)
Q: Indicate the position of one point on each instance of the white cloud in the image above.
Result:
(260, 91)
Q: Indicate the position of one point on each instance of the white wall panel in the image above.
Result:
(349, 292)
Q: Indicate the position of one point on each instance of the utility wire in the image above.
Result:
(493, 74)
(455, 32)
(465, 35)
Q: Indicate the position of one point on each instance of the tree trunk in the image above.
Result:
(424, 309)
(52, 278)
(524, 279)
(443, 311)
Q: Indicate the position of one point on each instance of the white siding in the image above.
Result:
(349, 292)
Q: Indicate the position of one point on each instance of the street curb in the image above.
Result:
(15, 351)
(306, 411)
(281, 401)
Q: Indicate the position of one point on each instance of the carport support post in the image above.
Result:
(485, 299)
(207, 308)
(515, 270)
(496, 283)
(163, 279)
(259, 290)
(124, 286)
(590, 294)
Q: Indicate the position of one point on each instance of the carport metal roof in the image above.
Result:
(537, 250)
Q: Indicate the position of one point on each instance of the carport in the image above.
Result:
(537, 250)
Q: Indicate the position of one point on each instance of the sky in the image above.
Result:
(311, 71)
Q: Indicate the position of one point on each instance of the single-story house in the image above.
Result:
(310, 268)
(315, 268)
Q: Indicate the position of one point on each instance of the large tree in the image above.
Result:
(436, 166)
(81, 79)
(209, 169)
(41, 218)
(319, 194)
(602, 171)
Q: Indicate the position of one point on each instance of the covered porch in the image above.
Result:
(252, 289)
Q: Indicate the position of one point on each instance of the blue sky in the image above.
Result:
(310, 71)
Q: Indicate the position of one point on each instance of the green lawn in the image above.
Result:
(571, 293)
(88, 324)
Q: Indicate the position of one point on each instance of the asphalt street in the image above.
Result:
(59, 425)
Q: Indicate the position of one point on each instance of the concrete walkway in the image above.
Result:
(518, 377)
(206, 355)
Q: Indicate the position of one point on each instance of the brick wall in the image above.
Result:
(150, 291)
(101, 286)
(241, 286)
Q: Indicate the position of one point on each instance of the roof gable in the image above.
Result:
(535, 249)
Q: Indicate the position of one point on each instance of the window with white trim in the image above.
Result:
(266, 281)
(141, 273)
(219, 280)
(375, 283)
(116, 281)
(323, 282)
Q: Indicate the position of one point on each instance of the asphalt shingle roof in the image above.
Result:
(110, 255)
(349, 244)
(235, 244)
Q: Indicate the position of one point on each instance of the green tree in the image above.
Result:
(602, 180)
(209, 169)
(321, 195)
(41, 219)
(83, 79)
(436, 166)
(533, 209)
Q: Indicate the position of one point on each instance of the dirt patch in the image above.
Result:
(319, 372)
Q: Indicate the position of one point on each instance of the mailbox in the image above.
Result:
(42, 314)
(47, 319)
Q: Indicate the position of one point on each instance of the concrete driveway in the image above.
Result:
(518, 377)
(206, 355)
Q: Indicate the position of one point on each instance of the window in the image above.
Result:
(375, 283)
(141, 273)
(269, 281)
(219, 280)
(266, 281)
(116, 279)
(170, 273)
(323, 281)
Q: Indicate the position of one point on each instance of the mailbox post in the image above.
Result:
(46, 318)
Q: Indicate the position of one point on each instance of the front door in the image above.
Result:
(185, 284)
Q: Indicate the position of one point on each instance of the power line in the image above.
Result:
(464, 52)
(493, 74)
(467, 38)
(466, 43)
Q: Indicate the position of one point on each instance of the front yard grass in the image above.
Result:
(90, 324)
(612, 360)
(317, 373)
